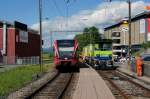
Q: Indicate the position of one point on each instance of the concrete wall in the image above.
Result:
(146, 68)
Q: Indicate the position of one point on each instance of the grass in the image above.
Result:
(47, 57)
(13, 79)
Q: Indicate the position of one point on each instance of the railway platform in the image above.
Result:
(91, 86)
(124, 68)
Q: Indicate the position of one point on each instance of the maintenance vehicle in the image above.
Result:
(99, 56)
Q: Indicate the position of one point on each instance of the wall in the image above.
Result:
(30, 48)
(11, 46)
(1, 38)
(136, 36)
(146, 69)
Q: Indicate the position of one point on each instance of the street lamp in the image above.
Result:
(85, 25)
(91, 36)
(85, 19)
(51, 38)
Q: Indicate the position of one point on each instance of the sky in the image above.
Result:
(27, 10)
(62, 15)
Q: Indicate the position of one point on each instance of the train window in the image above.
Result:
(97, 55)
(66, 48)
(65, 43)
(107, 46)
(64, 53)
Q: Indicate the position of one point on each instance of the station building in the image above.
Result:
(18, 44)
(140, 33)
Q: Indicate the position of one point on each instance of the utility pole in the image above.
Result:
(129, 49)
(40, 26)
(129, 22)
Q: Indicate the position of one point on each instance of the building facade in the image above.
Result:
(140, 31)
(18, 44)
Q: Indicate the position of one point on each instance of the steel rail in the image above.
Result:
(131, 81)
(65, 88)
(41, 87)
(115, 86)
(59, 94)
(126, 78)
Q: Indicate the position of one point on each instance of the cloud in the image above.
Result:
(103, 15)
(71, 36)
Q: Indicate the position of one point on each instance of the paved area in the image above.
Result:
(127, 70)
(91, 86)
(4, 68)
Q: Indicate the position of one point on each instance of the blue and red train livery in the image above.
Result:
(65, 54)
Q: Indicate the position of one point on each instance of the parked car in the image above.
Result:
(146, 57)
(123, 59)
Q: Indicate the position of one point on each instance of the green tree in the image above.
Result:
(146, 45)
(90, 35)
(80, 40)
(95, 36)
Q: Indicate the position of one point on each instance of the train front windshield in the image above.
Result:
(66, 48)
(106, 46)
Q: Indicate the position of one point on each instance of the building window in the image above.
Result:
(115, 34)
(116, 41)
(23, 36)
(117, 47)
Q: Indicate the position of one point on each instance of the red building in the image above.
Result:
(18, 44)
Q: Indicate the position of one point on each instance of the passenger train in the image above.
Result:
(65, 55)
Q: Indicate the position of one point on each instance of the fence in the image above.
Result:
(13, 60)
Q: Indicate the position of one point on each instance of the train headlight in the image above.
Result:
(66, 58)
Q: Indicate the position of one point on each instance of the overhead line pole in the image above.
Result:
(40, 26)
(129, 22)
(129, 49)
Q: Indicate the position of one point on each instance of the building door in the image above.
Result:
(1, 57)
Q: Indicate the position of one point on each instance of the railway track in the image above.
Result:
(54, 89)
(123, 87)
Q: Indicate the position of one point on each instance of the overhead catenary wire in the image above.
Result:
(57, 8)
(67, 11)
(68, 3)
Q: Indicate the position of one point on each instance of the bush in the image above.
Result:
(146, 45)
